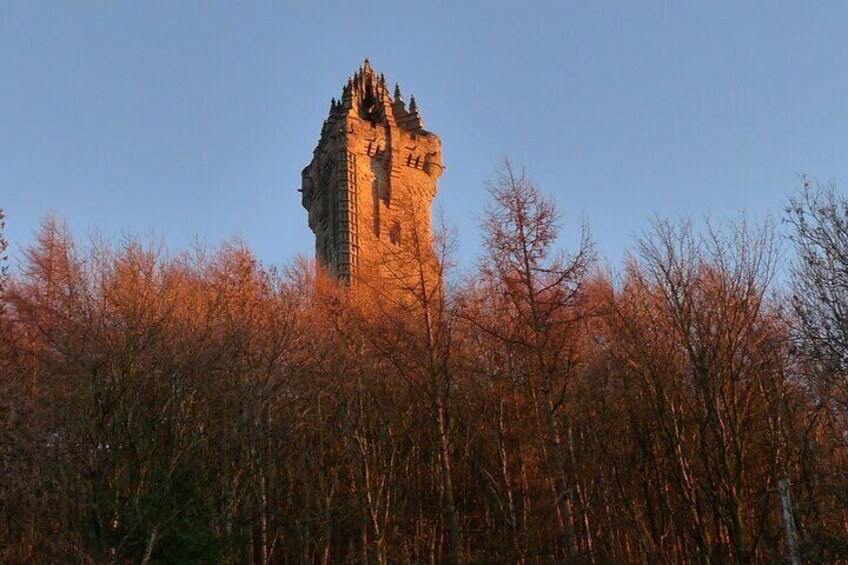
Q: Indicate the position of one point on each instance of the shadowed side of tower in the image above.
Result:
(371, 182)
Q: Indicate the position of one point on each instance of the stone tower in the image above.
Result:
(372, 174)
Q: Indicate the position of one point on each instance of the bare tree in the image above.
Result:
(819, 216)
(4, 246)
(706, 351)
(415, 334)
(534, 306)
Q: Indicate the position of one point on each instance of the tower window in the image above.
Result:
(394, 233)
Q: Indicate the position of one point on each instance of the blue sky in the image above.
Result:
(194, 119)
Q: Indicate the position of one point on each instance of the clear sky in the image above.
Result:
(188, 119)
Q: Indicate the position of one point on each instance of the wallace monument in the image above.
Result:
(372, 178)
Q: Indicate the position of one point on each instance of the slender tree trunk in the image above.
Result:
(151, 544)
(505, 477)
(450, 509)
(561, 491)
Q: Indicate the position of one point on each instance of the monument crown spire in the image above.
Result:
(367, 92)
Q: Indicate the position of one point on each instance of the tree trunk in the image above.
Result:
(561, 492)
(447, 483)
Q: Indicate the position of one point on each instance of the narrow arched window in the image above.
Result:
(394, 233)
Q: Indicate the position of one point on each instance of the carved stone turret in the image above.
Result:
(374, 163)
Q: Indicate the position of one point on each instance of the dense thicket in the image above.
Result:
(200, 407)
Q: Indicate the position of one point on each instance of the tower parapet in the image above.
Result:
(374, 163)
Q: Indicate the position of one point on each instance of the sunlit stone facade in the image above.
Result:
(373, 173)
